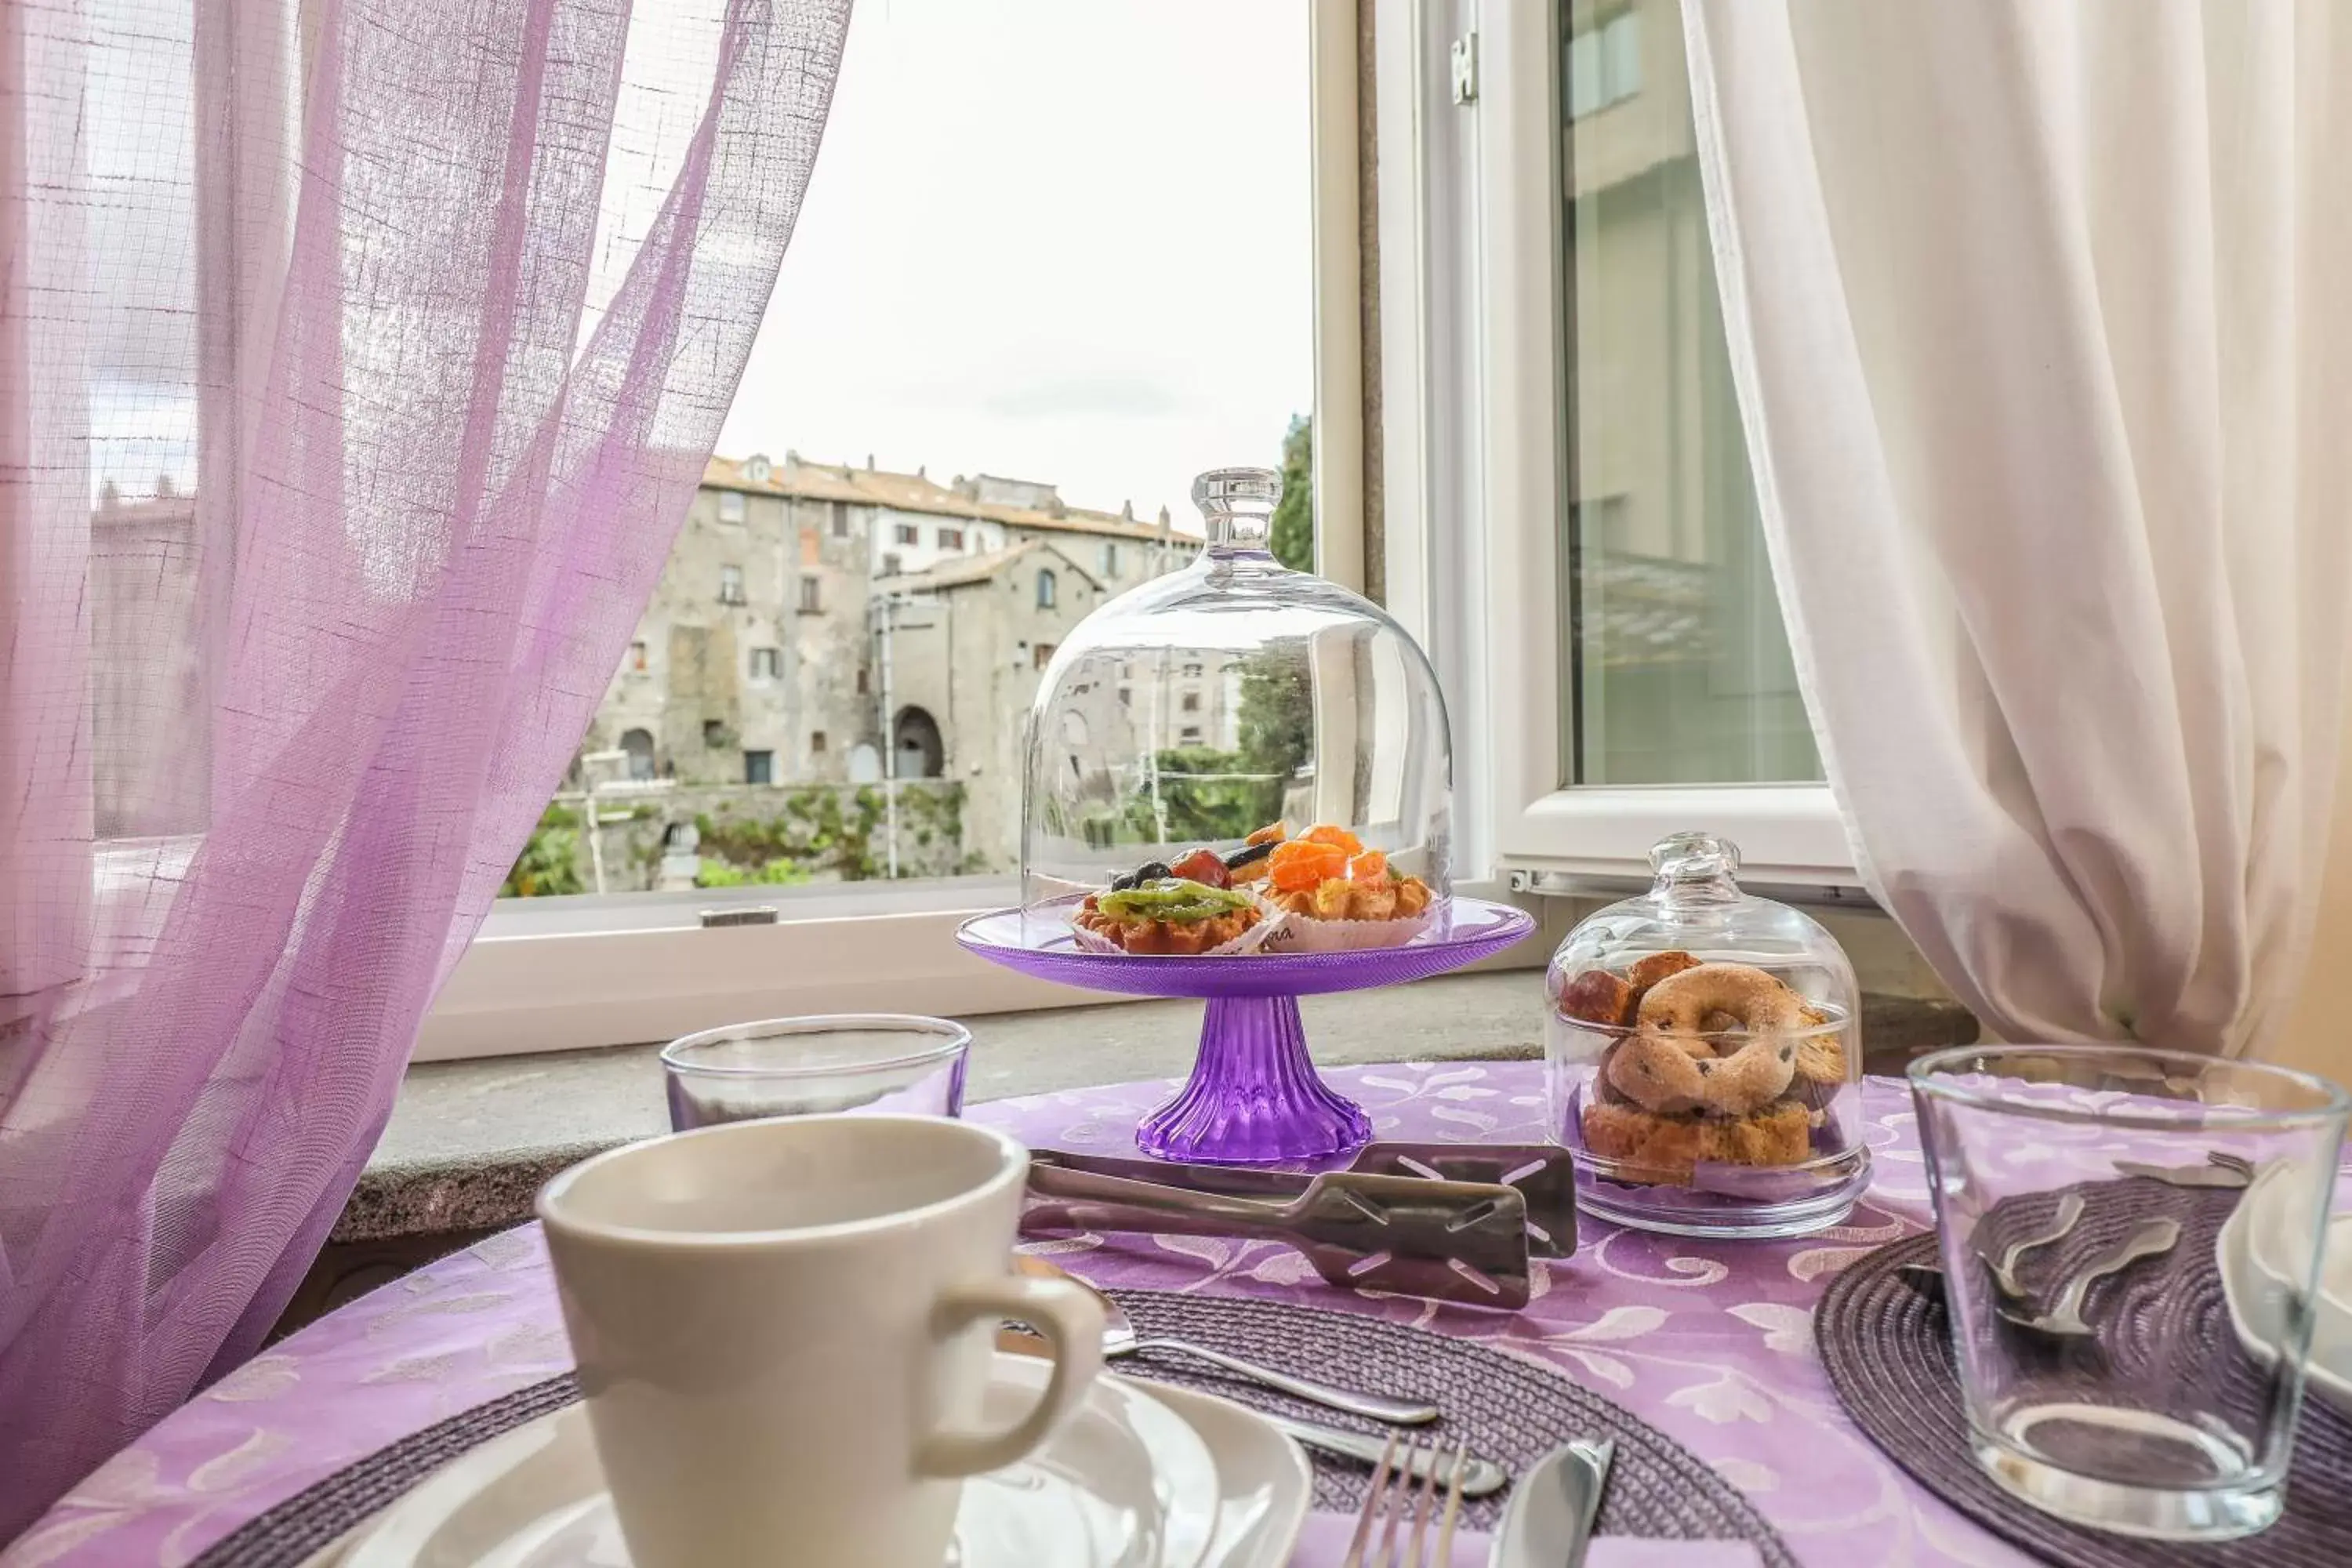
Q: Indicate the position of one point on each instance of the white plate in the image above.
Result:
(1127, 1483)
(1264, 1482)
(2259, 1293)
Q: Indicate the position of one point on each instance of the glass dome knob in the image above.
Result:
(1237, 506)
(1694, 860)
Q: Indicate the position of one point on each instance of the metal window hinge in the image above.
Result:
(755, 915)
(1464, 58)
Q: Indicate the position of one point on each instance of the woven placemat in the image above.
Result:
(1888, 1351)
(1510, 1409)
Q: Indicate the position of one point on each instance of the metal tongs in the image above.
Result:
(1399, 1218)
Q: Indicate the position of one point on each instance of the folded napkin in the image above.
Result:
(1323, 1543)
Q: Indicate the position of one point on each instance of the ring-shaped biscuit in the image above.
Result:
(1681, 1002)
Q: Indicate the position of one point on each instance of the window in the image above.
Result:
(1110, 558)
(730, 506)
(812, 601)
(1041, 654)
(730, 586)
(1190, 734)
(767, 663)
(919, 143)
(816, 742)
(1191, 672)
(714, 734)
(759, 767)
(1191, 703)
(1679, 671)
(638, 656)
(1127, 697)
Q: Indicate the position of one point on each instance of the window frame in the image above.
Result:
(1471, 252)
(566, 973)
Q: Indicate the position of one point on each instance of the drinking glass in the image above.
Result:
(892, 1063)
(2110, 1354)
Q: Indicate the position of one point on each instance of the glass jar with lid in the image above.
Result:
(1703, 1057)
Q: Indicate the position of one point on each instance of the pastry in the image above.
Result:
(1648, 1146)
(1682, 1002)
(1169, 915)
(1597, 996)
(1327, 874)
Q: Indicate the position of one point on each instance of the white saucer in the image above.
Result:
(1132, 1481)
(2260, 1294)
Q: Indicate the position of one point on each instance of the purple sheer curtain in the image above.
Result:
(358, 359)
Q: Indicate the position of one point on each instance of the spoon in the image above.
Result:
(2148, 1239)
(2004, 1272)
(1121, 1338)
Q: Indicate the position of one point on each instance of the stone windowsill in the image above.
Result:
(469, 1142)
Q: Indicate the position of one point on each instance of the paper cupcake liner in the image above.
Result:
(1249, 940)
(1304, 933)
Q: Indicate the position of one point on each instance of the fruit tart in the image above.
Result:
(1169, 915)
(1335, 895)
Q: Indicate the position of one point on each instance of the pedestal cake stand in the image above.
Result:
(1254, 1096)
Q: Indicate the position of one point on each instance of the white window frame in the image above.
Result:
(545, 974)
(1470, 251)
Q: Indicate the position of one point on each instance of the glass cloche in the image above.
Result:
(1232, 700)
(1703, 1057)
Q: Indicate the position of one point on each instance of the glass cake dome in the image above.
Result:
(1210, 705)
(1703, 1057)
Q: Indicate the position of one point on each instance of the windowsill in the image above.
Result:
(469, 1142)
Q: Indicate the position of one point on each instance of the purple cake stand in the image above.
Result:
(1253, 1097)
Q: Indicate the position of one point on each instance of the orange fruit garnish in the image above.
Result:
(1302, 864)
(1371, 866)
(1339, 837)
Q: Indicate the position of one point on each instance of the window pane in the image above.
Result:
(1678, 664)
(954, 441)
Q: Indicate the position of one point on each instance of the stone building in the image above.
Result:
(815, 619)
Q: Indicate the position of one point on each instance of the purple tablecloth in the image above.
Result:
(1710, 1342)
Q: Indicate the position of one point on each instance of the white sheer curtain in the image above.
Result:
(2041, 317)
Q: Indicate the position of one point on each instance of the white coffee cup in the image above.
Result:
(784, 1331)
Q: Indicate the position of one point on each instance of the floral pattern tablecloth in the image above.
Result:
(1710, 1342)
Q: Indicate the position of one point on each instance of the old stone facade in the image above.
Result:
(814, 622)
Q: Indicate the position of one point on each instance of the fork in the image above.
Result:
(1392, 1500)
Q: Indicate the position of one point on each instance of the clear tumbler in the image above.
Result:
(2123, 1361)
(879, 1062)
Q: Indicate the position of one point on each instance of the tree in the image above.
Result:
(1292, 536)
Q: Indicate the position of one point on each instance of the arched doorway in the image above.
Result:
(922, 753)
(639, 744)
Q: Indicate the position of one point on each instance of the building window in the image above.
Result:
(816, 742)
(862, 679)
(1127, 697)
(1191, 703)
(1110, 558)
(759, 767)
(757, 468)
(812, 599)
(714, 734)
(1191, 672)
(1039, 655)
(1045, 590)
(731, 584)
(1190, 734)
(638, 657)
(639, 745)
(904, 533)
(767, 663)
(1604, 65)
(730, 506)
(841, 519)
(951, 538)
(891, 564)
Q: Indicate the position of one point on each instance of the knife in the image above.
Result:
(1549, 1521)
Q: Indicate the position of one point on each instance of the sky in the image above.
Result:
(1065, 240)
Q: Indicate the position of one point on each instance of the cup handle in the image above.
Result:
(1071, 1319)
